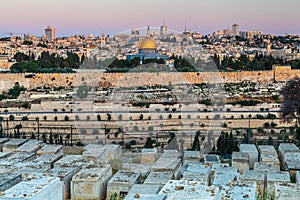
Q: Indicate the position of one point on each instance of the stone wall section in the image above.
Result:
(279, 74)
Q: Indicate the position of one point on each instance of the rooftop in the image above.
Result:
(222, 178)
(62, 171)
(286, 191)
(30, 186)
(69, 160)
(195, 172)
(15, 142)
(217, 167)
(137, 167)
(265, 167)
(239, 190)
(143, 189)
(212, 158)
(91, 173)
(4, 154)
(149, 150)
(267, 149)
(278, 177)
(166, 163)
(253, 175)
(49, 149)
(15, 158)
(288, 147)
(292, 160)
(30, 146)
(8, 180)
(3, 140)
(248, 148)
(192, 154)
(158, 178)
(122, 177)
(192, 190)
(48, 158)
(269, 158)
(241, 156)
(31, 167)
(146, 197)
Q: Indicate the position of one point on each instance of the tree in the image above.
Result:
(55, 118)
(45, 118)
(99, 117)
(82, 91)
(44, 137)
(68, 137)
(17, 129)
(141, 116)
(170, 116)
(196, 142)
(51, 138)
(108, 116)
(61, 140)
(290, 108)
(67, 118)
(11, 117)
(148, 143)
(15, 91)
(56, 137)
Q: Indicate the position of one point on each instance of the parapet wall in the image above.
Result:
(278, 74)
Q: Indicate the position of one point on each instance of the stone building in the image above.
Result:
(13, 144)
(192, 190)
(286, 191)
(90, 182)
(276, 177)
(35, 187)
(121, 183)
(268, 154)
(191, 157)
(258, 176)
(209, 160)
(241, 161)
(158, 178)
(65, 175)
(252, 151)
(142, 189)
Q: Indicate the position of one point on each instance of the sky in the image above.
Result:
(72, 17)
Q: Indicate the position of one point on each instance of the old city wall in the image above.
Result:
(145, 79)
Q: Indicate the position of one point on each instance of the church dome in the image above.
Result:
(147, 43)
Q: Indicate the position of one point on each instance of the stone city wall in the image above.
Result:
(145, 79)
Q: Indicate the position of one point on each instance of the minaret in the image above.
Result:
(269, 49)
(148, 31)
(103, 42)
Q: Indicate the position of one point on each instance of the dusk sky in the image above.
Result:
(95, 16)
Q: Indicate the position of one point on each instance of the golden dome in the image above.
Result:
(147, 43)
